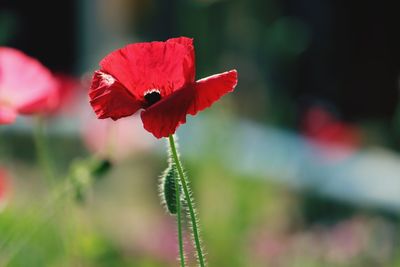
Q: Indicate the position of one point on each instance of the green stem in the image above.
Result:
(42, 151)
(179, 222)
(188, 198)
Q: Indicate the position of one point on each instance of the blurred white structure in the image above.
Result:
(367, 177)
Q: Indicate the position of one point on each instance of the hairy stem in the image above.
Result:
(186, 191)
(179, 222)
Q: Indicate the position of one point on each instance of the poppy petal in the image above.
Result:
(189, 62)
(183, 41)
(212, 88)
(110, 99)
(163, 118)
(166, 66)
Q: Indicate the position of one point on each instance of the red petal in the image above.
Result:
(163, 118)
(189, 62)
(212, 88)
(110, 99)
(166, 66)
(183, 41)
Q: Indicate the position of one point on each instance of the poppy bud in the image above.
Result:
(101, 167)
(168, 188)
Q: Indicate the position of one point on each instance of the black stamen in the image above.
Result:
(152, 97)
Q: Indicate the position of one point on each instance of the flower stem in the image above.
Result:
(188, 198)
(42, 151)
(179, 222)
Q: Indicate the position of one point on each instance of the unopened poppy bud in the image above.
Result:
(168, 188)
(101, 168)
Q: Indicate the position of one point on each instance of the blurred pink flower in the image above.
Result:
(269, 248)
(62, 98)
(160, 241)
(346, 240)
(340, 243)
(26, 86)
(116, 139)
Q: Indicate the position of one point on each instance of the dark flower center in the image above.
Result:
(152, 97)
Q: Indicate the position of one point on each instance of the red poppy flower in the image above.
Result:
(25, 85)
(324, 127)
(158, 77)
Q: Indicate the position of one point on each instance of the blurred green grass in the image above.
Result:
(246, 221)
